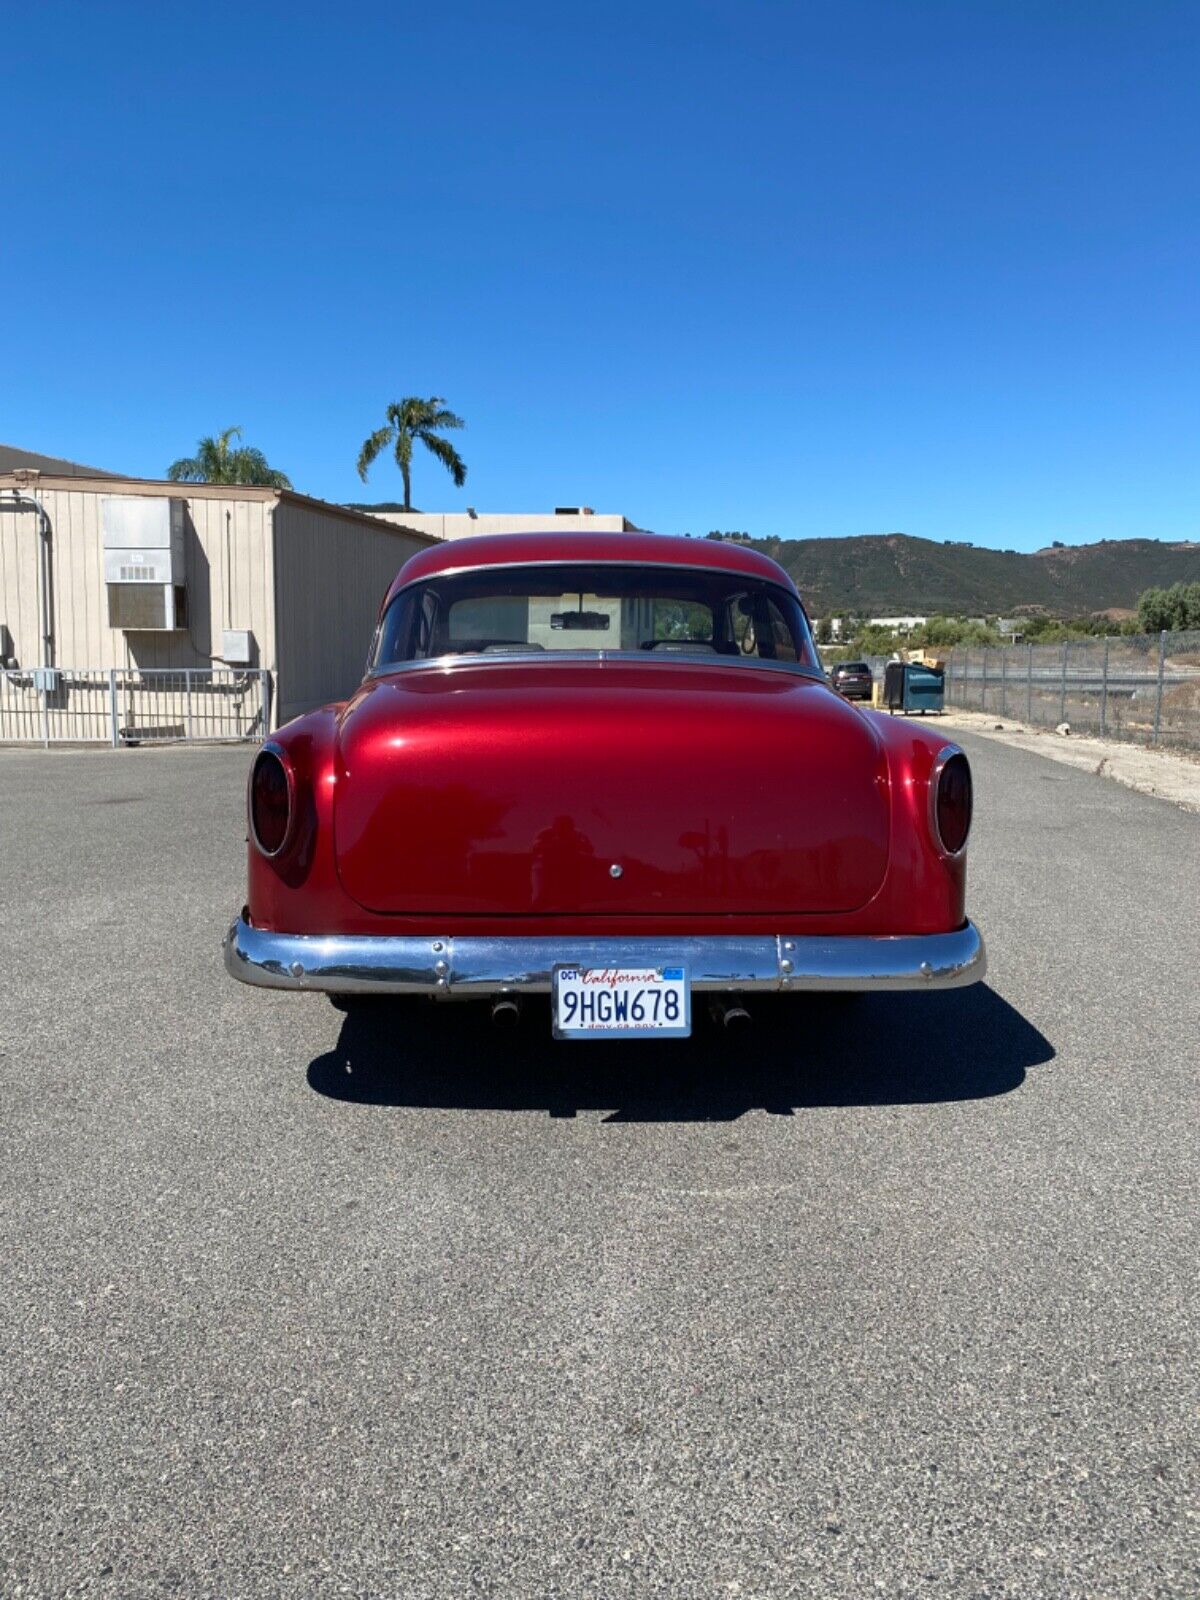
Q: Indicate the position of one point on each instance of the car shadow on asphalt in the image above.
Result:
(803, 1051)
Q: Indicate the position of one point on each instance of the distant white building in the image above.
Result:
(835, 626)
(898, 624)
(465, 524)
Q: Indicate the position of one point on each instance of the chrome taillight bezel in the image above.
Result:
(271, 748)
(940, 762)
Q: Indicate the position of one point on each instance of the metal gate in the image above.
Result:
(132, 705)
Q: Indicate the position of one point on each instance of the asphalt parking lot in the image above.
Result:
(897, 1298)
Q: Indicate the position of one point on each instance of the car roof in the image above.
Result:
(638, 549)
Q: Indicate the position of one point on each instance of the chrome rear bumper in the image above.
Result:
(460, 968)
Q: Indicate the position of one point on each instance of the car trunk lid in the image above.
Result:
(599, 787)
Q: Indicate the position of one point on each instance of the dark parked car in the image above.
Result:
(852, 679)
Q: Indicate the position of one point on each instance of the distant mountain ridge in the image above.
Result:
(892, 574)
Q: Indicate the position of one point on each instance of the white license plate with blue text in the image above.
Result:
(622, 1003)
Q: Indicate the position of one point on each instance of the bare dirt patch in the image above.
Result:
(1172, 775)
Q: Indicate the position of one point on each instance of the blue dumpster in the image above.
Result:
(913, 689)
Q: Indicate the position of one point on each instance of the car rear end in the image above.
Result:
(682, 809)
(853, 680)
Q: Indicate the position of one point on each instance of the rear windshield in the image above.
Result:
(854, 666)
(664, 610)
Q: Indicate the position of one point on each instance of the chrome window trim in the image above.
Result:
(526, 658)
(644, 567)
(272, 747)
(935, 777)
(710, 658)
(600, 561)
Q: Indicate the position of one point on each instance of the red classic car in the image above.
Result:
(608, 768)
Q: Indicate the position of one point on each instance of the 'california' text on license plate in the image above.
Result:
(621, 1003)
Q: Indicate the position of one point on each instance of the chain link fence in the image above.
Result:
(131, 706)
(1144, 688)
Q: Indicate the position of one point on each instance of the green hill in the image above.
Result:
(891, 574)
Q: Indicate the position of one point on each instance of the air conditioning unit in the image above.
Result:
(147, 607)
(144, 562)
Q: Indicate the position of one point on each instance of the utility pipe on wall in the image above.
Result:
(28, 502)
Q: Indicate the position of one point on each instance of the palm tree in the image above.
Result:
(218, 461)
(415, 419)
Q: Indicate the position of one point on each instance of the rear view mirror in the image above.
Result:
(588, 621)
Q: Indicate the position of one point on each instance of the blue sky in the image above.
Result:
(799, 269)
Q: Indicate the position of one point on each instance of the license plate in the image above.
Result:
(622, 1003)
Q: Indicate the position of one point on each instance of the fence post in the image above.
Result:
(1003, 681)
(1104, 692)
(983, 684)
(1062, 701)
(1029, 685)
(113, 720)
(1162, 652)
(187, 689)
(267, 687)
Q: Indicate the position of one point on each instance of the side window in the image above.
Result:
(781, 634)
(742, 627)
(686, 621)
(391, 643)
(422, 644)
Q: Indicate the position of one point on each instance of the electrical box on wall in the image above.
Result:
(237, 647)
(144, 563)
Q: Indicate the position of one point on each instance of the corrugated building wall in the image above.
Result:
(467, 524)
(331, 572)
(305, 578)
(227, 555)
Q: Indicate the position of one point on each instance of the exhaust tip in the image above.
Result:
(732, 1016)
(506, 1012)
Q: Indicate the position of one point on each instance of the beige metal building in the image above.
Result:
(195, 587)
(463, 524)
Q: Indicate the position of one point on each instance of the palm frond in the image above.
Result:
(406, 413)
(446, 454)
(378, 441)
(251, 466)
(440, 417)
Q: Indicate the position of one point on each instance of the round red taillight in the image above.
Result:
(270, 803)
(952, 803)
